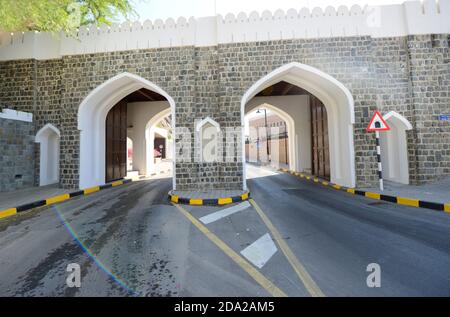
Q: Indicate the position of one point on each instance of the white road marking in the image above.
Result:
(260, 251)
(224, 212)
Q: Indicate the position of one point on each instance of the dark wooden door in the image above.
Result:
(319, 133)
(116, 142)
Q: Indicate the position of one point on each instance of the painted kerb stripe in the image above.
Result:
(208, 201)
(8, 212)
(393, 199)
(59, 198)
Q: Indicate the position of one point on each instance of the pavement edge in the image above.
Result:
(208, 201)
(59, 198)
(406, 201)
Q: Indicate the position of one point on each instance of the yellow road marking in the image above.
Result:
(224, 201)
(351, 190)
(247, 267)
(91, 190)
(174, 199)
(408, 201)
(372, 195)
(57, 199)
(244, 196)
(117, 183)
(304, 276)
(8, 212)
(336, 186)
(325, 183)
(196, 202)
(447, 207)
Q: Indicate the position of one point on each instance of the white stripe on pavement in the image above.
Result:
(260, 251)
(224, 212)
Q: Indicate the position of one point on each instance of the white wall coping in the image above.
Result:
(16, 115)
(409, 18)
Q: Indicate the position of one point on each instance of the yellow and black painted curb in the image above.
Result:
(393, 199)
(59, 198)
(209, 201)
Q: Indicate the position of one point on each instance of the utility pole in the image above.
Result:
(285, 143)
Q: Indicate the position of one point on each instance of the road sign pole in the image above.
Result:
(380, 169)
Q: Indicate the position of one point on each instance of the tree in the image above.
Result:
(56, 15)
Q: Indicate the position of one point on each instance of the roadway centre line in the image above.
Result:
(224, 212)
(247, 267)
(260, 251)
(298, 267)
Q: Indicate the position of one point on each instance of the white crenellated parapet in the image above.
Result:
(16, 115)
(409, 18)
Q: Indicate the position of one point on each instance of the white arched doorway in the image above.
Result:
(91, 123)
(150, 130)
(394, 150)
(290, 125)
(48, 138)
(339, 105)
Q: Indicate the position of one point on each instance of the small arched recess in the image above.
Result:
(394, 150)
(48, 138)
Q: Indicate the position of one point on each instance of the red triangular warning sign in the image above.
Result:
(377, 123)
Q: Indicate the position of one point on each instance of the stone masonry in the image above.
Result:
(17, 154)
(407, 74)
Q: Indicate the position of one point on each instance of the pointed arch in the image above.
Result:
(40, 135)
(206, 120)
(48, 138)
(401, 119)
(92, 113)
(339, 104)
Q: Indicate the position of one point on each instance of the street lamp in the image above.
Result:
(267, 133)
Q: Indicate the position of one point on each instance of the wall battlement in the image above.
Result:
(409, 18)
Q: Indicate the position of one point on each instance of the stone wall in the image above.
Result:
(430, 81)
(16, 154)
(407, 74)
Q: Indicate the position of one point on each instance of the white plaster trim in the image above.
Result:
(339, 104)
(40, 134)
(16, 115)
(199, 132)
(206, 120)
(92, 114)
(394, 148)
(406, 124)
(48, 166)
(409, 18)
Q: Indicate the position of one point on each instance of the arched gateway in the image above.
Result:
(339, 105)
(92, 115)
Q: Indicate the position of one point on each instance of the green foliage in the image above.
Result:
(56, 15)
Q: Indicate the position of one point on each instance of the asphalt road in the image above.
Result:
(130, 241)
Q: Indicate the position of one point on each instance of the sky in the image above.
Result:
(163, 9)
